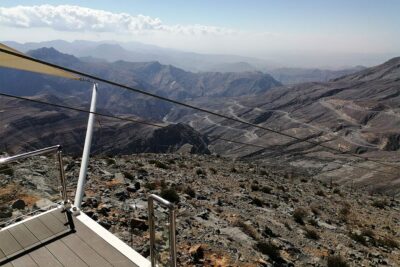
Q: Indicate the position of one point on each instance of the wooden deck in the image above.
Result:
(47, 240)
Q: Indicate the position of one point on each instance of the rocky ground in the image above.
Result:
(228, 213)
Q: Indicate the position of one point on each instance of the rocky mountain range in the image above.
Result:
(357, 113)
(108, 51)
(68, 127)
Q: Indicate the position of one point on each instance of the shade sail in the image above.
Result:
(15, 62)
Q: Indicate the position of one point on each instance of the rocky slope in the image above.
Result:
(359, 113)
(228, 213)
(28, 126)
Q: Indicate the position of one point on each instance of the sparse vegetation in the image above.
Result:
(110, 161)
(255, 187)
(268, 249)
(170, 194)
(336, 261)
(358, 237)
(189, 191)
(380, 203)
(299, 214)
(161, 165)
(315, 209)
(311, 234)
(387, 242)
(266, 189)
(200, 171)
(6, 170)
(248, 229)
(258, 202)
(213, 170)
(128, 175)
(150, 185)
(313, 222)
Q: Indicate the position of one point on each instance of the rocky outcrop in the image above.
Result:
(228, 213)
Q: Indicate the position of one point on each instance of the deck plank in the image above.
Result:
(24, 261)
(38, 229)
(24, 237)
(64, 255)
(8, 243)
(51, 222)
(101, 246)
(43, 257)
(85, 252)
(2, 255)
(81, 248)
(60, 215)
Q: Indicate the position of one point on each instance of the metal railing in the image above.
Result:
(172, 229)
(53, 149)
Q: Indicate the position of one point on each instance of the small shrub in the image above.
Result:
(263, 172)
(380, 203)
(368, 232)
(268, 249)
(171, 161)
(311, 234)
(358, 238)
(313, 222)
(344, 212)
(152, 161)
(266, 189)
(388, 242)
(150, 185)
(320, 193)
(258, 202)
(336, 191)
(139, 164)
(299, 215)
(248, 229)
(234, 170)
(212, 170)
(189, 191)
(6, 170)
(110, 161)
(170, 194)
(200, 171)
(336, 261)
(255, 187)
(182, 165)
(315, 210)
(161, 165)
(128, 175)
(163, 184)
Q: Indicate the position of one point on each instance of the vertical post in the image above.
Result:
(86, 150)
(152, 233)
(172, 238)
(62, 176)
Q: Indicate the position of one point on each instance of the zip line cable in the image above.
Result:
(158, 126)
(191, 106)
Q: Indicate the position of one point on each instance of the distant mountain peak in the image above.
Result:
(52, 55)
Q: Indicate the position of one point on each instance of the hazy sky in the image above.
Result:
(297, 32)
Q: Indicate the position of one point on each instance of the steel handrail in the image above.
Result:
(43, 151)
(172, 229)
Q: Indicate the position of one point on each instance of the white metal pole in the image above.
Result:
(86, 151)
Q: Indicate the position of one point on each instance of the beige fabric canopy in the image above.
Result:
(14, 62)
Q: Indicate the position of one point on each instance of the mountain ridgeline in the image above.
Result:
(39, 125)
